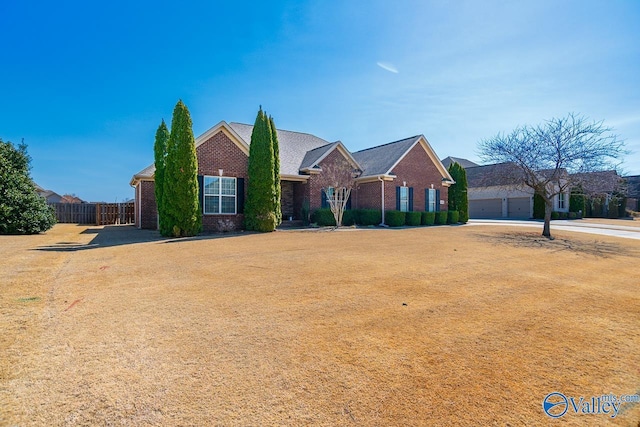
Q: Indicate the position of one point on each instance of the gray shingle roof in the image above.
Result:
(599, 182)
(492, 175)
(293, 146)
(446, 162)
(379, 160)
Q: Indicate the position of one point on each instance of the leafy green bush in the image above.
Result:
(413, 218)
(323, 217)
(395, 218)
(22, 210)
(453, 217)
(564, 215)
(441, 217)
(428, 218)
(573, 215)
(368, 217)
(555, 215)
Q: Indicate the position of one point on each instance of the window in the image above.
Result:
(404, 199)
(561, 201)
(431, 207)
(219, 195)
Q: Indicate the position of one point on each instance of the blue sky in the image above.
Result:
(86, 84)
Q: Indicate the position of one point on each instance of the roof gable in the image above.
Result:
(381, 160)
(313, 158)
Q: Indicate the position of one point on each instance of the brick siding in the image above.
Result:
(149, 214)
(219, 152)
(419, 172)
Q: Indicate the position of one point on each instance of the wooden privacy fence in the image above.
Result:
(94, 213)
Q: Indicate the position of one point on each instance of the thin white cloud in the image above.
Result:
(388, 66)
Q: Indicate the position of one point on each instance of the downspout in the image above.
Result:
(382, 224)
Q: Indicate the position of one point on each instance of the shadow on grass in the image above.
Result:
(535, 240)
(119, 235)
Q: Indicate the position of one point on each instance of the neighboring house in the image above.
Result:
(633, 192)
(492, 193)
(600, 188)
(446, 162)
(404, 175)
(49, 196)
(69, 198)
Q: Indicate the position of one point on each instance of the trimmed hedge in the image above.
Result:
(349, 217)
(395, 218)
(368, 217)
(441, 217)
(323, 217)
(452, 217)
(555, 215)
(413, 218)
(428, 218)
(573, 215)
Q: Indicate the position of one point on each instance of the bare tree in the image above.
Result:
(553, 157)
(337, 181)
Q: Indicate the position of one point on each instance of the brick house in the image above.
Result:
(403, 175)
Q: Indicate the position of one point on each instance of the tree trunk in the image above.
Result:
(546, 231)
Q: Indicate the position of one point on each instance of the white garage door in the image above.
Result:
(485, 208)
(519, 207)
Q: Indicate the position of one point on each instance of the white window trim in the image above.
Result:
(220, 195)
(432, 200)
(562, 196)
(407, 199)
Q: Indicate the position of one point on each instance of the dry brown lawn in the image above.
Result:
(426, 326)
(606, 221)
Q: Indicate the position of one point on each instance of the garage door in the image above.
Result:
(485, 208)
(519, 207)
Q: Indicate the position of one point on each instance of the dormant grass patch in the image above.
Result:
(423, 326)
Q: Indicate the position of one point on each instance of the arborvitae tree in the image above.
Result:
(22, 210)
(259, 209)
(276, 170)
(182, 212)
(160, 156)
(458, 192)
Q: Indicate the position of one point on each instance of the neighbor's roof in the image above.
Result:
(600, 182)
(633, 186)
(446, 162)
(379, 160)
(293, 146)
(492, 175)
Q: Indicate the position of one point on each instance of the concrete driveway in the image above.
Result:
(580, 226)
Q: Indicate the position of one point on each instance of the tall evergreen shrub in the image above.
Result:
(260, 207)
(160, 158)
(180, 184)
(458, 200)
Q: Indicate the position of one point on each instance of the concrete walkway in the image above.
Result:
(626, 232)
